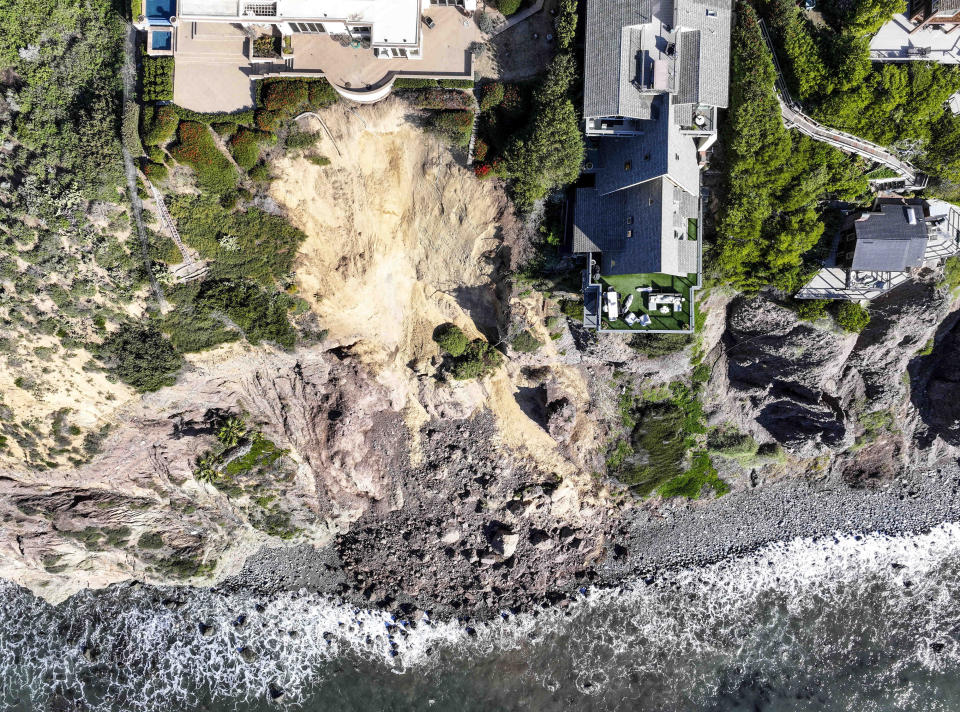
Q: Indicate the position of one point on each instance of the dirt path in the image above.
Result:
(129, 91)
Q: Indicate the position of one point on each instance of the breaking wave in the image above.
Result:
(859, 622)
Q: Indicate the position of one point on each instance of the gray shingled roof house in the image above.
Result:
(655, 72)
(891, 240)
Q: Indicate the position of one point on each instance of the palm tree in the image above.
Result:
(208, 468)
(232, 431)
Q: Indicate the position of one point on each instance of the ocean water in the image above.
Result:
(860, 623)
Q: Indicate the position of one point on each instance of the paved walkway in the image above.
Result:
(793, 117)
(518, 18)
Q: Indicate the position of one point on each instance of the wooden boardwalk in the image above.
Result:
(794, 118)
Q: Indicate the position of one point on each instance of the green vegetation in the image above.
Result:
(525, 342)
(456, 126)
(770, 217)
(509, 7)
(852, 317)
(663, 426)
(875, 424)
(259, 315)
(811, 309)
(141, 357)
(691, 484)
(196, 148)
(249, 244)
(566, 23)
(478, 360)
(63, 60)
(159, 124)
(951, 273)
(245, 146)
(548, 155)
(451, 339)
(572, 308)
(730, 442)
(157, 78)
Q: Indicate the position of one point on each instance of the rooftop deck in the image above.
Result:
(627, 285)
(894, 43)
(445, 50)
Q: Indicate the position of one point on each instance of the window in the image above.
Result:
(626, 166)
(630, 220)
(312, 28)
(711, 13)
(629, 233)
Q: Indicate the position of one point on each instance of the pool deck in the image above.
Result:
(212, 70)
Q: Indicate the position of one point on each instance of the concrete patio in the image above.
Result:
(212, 70)
(446, 53)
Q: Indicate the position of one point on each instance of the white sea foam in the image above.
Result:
(690, 636)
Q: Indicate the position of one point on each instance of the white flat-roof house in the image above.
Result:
(359, 45)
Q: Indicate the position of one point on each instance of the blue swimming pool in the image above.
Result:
(161, 9)
(161, 40)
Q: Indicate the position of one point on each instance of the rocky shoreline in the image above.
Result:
(641, 544)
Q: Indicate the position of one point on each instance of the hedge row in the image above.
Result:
(157, 78)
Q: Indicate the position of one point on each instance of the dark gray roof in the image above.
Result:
(704, 48)
(635, 229)
(602, 76)
(688, 75)
(661, 150)
(887, 241)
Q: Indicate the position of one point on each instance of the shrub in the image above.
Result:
(322, 93)
(259, 315)
(302, 139)
(656, 345)
(852, 317)
(456, 83)
(155, 172)
(451, 339)
(225, 129)
(267, 120)
(141, 357)
(160, 124)
(449, 99)
(951, 273)
(266, 46)
(491, 96)
(478, 360)
(131, 128)
(480, 149)
(196, 148)
(509, 7)
(156, 154)
(525, 342)
(812, 309)
(284, 95)
(240, 118)
(572, 308)
(319, 160)
(245, 146)
(260, 173)
(250, 244)
(566, 23)
(157, 78)
(150, 540)
(414, 83)
(482, 170)
(457, 126)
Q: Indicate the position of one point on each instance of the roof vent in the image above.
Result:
(626, 166)
(911, 216)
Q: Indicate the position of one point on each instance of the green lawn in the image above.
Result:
(661, 283)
